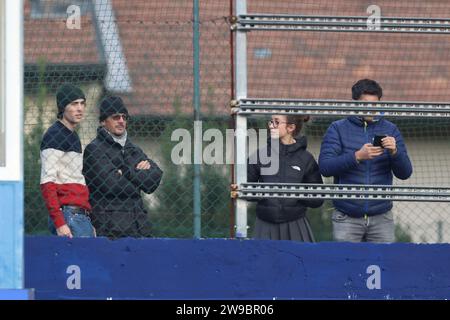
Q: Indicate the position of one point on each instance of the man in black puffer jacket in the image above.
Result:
(116, 171)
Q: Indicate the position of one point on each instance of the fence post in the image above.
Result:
(197, 148)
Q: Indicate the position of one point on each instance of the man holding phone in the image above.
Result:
(364, 150)
(377, 140)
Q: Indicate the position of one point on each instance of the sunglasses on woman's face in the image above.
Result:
(118, 116)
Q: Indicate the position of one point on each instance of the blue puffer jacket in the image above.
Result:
(337, 158)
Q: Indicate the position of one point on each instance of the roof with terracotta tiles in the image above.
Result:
(50, 39)
(157, 42)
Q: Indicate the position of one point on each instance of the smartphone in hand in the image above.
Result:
(376, 142)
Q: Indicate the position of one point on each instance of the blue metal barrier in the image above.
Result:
(61, 268)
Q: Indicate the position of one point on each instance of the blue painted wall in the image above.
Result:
(11, 235)
(233, 269)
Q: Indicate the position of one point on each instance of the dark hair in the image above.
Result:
(366, 86)
(298, 121)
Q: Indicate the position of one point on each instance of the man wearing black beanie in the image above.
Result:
(63, 185)
(116, 171)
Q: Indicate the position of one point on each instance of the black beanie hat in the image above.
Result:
(111, 105)
(65, 95)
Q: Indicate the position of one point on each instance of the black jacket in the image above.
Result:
(296, 165)
(111, 189)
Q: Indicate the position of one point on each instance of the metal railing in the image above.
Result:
(280, 22)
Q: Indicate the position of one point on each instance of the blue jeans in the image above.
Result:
(79, 224)
(379, 228)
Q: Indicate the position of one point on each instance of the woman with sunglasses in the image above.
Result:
(285, 219)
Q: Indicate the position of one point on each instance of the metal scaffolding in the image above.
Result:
(280, 22)
(244, 106)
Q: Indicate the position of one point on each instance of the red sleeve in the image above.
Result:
(49, 192)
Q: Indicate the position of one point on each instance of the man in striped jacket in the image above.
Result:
(62, 183)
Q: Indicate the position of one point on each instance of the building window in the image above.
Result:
(56, 9)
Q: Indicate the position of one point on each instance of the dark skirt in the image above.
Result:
(297, 230)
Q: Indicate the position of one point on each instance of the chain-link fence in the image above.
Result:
(142, 51)
(325, 65)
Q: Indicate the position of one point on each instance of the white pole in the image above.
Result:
(11, 172)
(241, 122)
